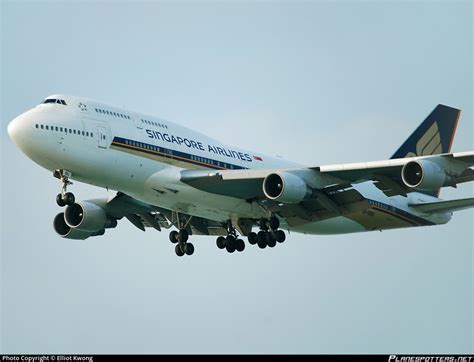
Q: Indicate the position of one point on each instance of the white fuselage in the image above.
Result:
(142, 156)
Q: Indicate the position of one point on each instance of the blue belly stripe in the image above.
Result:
(401, 214)
(173, 154)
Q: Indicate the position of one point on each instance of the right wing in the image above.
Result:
(143, 215)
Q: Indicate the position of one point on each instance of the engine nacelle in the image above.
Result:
(65, 231)
(285, 187)
(424, 175)
(87, 216)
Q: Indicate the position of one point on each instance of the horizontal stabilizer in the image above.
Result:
(444, 206)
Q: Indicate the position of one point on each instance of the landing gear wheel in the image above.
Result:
(230, 247)
(188, 249)
(252, 238)
(69, 198)
(280, 236)
(239, 245)
(178, 250)
(60, 201)
(220, 242)
(230, 240)
(183, 236)
(274, 223)
(174, 236)
(262, 239)
(271, 242)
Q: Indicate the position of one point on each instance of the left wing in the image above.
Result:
(393, 177)
(399, 176)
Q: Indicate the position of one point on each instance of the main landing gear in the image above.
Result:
(231, 243)
(180, 238)
(64, 198)
(268, 235)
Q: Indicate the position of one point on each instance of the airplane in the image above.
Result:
(168, 176)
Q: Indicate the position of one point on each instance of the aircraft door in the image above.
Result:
(138, 122)
(102, 134)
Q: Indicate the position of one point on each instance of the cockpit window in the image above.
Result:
(52, 100)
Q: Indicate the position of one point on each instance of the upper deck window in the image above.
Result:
(52, 100)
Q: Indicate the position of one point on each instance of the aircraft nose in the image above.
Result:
(14, 129)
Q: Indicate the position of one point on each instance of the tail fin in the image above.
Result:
(433, 136)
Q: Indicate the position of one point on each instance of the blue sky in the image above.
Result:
(317, 82)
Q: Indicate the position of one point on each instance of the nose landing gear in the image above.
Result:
(64, 198)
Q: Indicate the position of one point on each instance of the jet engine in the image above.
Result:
(285, 187)
(83, 219)
(424, 175)
(87, 216)
(65, 231)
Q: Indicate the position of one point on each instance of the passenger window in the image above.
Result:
(61, 129)
(92, 135)
(47, 127)
(36, 125)
(56, 129)
(70, 130)
(83, 133)
(87, 134)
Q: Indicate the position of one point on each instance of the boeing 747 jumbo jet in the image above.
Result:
(169, 176)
